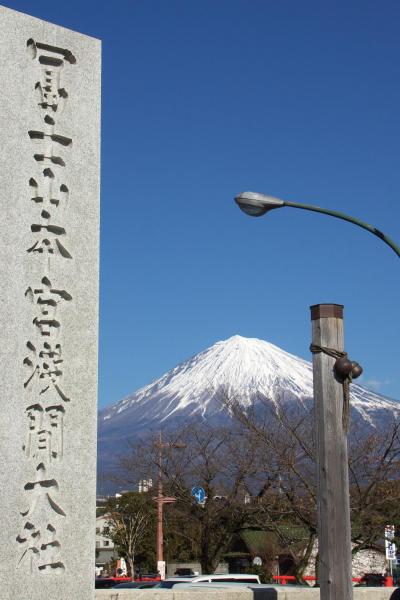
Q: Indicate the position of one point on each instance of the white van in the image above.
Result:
(223, 578)
(216, 578)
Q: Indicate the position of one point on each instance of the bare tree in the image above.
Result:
(286, 478)
(267, 455)
(217, 459)
(129, 517)
(288, 496)
(374, 467)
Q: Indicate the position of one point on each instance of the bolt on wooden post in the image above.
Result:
(334, 530)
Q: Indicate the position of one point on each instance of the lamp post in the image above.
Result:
(331, 409)
(161, 500)
(255, 204)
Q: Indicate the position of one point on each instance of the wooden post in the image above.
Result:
(334, 532)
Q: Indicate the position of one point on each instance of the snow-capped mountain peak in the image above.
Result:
(248, 370)
(238, 367)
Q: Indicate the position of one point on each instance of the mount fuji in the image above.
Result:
(248, 370)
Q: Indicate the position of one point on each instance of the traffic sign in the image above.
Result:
(160, 569)
(390, 546)
(199, 494)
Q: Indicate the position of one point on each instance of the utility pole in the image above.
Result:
(161, 500)
(334, 530)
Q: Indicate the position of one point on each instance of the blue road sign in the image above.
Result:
(198, 494)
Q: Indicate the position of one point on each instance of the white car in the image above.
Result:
(214, 578)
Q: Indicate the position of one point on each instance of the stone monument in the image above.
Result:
(49, 199)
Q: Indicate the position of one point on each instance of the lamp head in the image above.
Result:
(256, 205)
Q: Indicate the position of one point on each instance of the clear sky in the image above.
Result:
(203, 99)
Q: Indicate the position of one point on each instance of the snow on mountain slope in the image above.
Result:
(239, 367)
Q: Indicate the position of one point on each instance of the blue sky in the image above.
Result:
(203, 99)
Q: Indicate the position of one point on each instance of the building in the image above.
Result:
(253, 546)
(105, 552)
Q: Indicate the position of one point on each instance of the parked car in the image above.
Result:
(167, 584)
(140, 585)
(108, 582)
(237, 585)
(215, 577)
(185, 572)
(148, 577)
(104, 582)
(373, 580)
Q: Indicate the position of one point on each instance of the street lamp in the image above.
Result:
(331, 409)
(255, 204)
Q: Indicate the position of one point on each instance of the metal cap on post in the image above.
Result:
(334, 533)
(320, 311)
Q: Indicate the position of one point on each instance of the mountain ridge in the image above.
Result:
(247, 369)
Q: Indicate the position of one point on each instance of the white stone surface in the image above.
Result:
(363, 562)
(276, 593)
(125, 594)
(49, 199)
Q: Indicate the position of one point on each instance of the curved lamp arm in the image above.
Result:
(256, 205)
